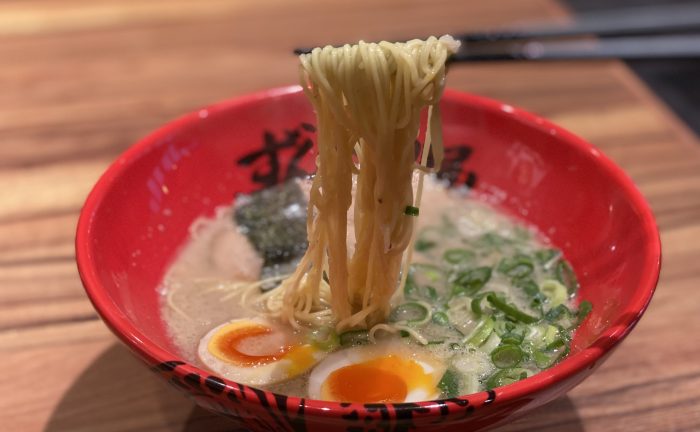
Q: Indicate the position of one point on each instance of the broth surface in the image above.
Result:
(455, 235)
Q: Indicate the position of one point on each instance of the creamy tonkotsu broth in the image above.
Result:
(487, 302)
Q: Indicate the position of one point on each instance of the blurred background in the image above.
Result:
(675, 81)
(81, 80)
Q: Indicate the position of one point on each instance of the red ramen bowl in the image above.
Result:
(138, 214)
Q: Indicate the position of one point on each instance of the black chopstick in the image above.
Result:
(626, 48)
(619, 22)
(539, 42)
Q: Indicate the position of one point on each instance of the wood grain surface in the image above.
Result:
(81, 80)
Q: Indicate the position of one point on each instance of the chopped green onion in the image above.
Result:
(324, 338)
(566, 275)
(555, 292)
(428, 238)
(414, 313)
(553, 347)
(583, 310)
(528, 286)
(491, 343)
(492, 240)
(518, 266)
(412, 211)
(505, 377)
(543, 256)
(510, 310)
(544, 360)
(555, 344)
(354, 337)
(557, 313)
(550, 335)
(469, 282)
(422, 245)
(512, 338)
(455, 346)
(436, 342)
(429, 271)
(411, 288)
(504, 326)
(531, 289)
(440, 318)
(457, 256)
(431, 293)
(507, 356)
(476, 303)
(449, 384)
(482, 332)
(537, 301)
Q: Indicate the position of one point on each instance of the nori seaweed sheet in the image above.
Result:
(274, 220)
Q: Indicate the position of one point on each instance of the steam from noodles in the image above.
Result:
(368, 100)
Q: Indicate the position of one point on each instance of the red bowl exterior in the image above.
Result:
(138, 213)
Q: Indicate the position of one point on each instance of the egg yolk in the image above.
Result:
(301, 358)
(228, 343)
(381, 380)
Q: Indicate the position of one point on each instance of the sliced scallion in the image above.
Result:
(430, 272)
(510, 310)
(458, 256)
(449, 384)
(555, 292)
(505, 377)
(411, 287)
(544, 360)
(512, 338)
(518, 266)
(584, 308)
(476, 303)
(561, 315)
(492, 241)
(423, 245)
(431, 293)
(555, 344)
(507, 356)
(481, 333)
(566, 275)
(471, 281)
(412, 312)
(324, 338)
(354, 337)
(551, 333)
(543, 256)
(412, 211)
(428, 238)
(440, 318)
(528, 286)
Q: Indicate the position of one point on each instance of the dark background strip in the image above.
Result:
(677, 82)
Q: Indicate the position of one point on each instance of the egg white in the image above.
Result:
(430, 364)
(257, 375)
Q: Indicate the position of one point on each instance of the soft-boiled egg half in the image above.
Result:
(256, 351)
(389, 371)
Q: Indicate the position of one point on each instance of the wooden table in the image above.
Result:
(81, 80)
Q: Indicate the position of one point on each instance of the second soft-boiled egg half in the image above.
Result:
(390, 371)
(256, 351)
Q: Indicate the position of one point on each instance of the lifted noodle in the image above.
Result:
(368, 99)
